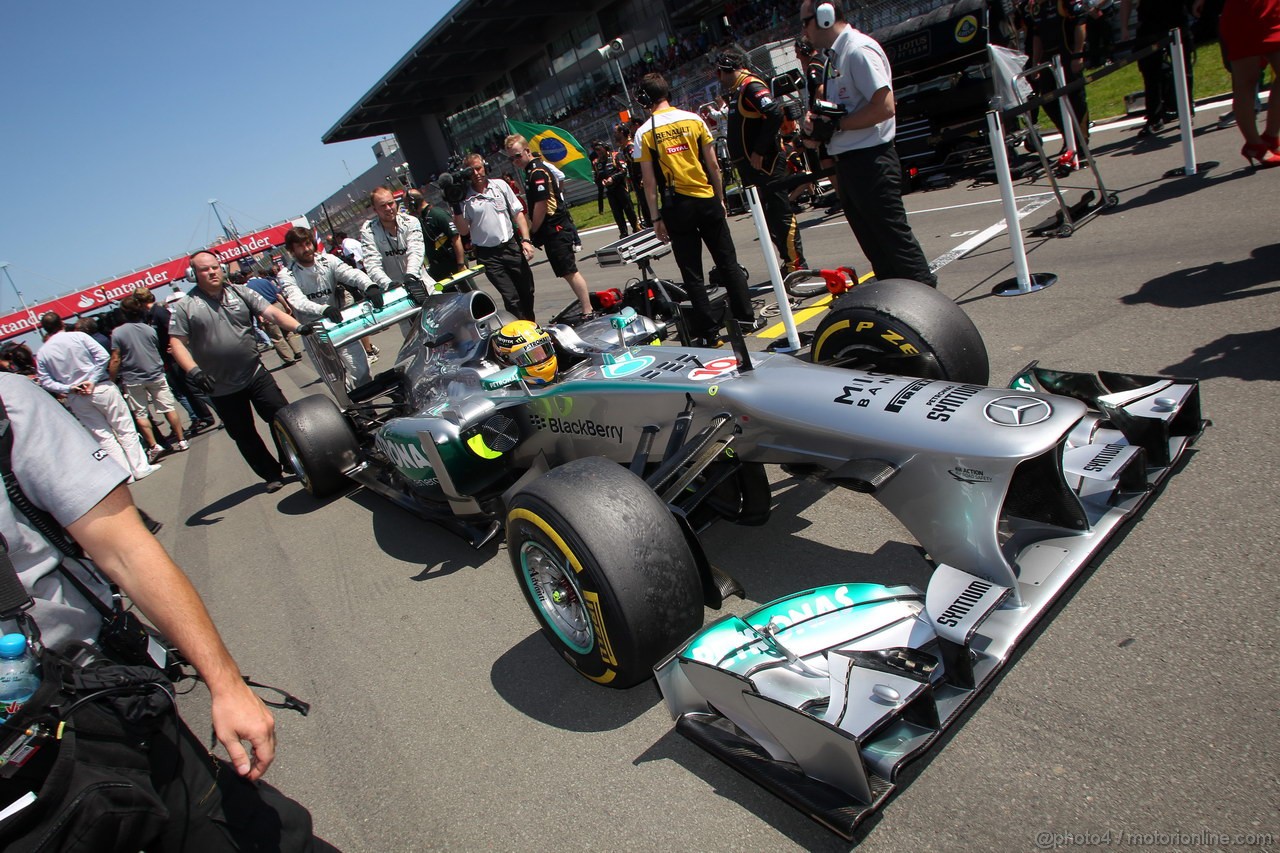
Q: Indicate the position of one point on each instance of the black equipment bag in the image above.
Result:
(78, 738)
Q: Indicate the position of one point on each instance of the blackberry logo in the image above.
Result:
(590, 429)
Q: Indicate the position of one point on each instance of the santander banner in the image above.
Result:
(166, 272)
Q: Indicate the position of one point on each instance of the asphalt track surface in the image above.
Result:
(1146, 704)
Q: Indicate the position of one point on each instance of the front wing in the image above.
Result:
(824, 695)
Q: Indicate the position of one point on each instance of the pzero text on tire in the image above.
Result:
(318, 444)
(903, 327)
(605, 568)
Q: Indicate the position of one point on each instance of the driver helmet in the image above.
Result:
(524, 344)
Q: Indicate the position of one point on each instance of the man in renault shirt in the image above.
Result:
(860, 80)
(313, 286)
(752, 124)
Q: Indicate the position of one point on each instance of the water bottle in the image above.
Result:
(19, 674)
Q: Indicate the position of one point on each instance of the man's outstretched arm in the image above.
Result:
(113, 535)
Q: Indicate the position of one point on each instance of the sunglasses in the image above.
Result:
(514, 157)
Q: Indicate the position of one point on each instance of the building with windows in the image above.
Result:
(538, 61)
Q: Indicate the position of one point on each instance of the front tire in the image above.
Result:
(902, 327)
(605, 569)
(318, 444)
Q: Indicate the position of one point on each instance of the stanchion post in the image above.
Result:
(1184, 103)
(1070, 129)
(1024, 281)
(775, 275)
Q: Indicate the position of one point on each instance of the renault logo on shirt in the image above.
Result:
(1018, 411)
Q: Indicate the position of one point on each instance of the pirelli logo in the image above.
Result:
(597, 622)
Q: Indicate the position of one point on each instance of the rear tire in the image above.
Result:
(318, 443)
(902, 327)
(605, 569)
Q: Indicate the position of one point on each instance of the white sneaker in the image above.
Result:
(181, 446)
(151, 469)
(154, 453)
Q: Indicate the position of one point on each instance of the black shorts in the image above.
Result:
(559, 248)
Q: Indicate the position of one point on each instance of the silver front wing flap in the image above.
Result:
(824, 695)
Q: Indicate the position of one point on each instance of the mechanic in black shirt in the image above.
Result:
(623, 138)
(754, 119)
(550, 225)
(1155, 19)
(445, 255)
(611, 181)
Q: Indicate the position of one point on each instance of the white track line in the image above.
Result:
(1033, 204)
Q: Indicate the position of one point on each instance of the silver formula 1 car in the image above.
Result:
(604, 477)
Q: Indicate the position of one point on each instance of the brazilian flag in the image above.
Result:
(558, 147)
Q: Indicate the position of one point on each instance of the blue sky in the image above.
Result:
(122, 120)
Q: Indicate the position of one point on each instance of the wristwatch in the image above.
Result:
(526, 240)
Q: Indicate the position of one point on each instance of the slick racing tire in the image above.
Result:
(318, 444)
(901, 327)
(605, 569)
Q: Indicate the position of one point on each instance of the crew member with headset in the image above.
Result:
(860, 81)
(610, 169)
(815, 80)
(550, 224)
(753, 120)
(678, 160)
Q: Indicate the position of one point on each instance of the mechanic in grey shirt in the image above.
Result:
(391, 243)
(313, 286)
(211, 338)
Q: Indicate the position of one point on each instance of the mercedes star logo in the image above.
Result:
(1018, 411)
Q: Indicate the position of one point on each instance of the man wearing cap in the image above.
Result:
(753, 120)
(860, 80)
(624, 138)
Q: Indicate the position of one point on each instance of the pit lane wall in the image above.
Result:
(167, 272)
